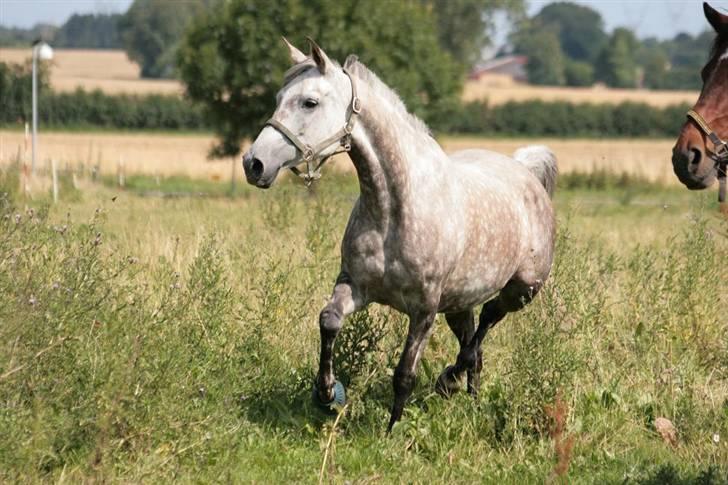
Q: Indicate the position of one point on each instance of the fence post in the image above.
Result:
(232, 178)
(120, 171)
(54, 173)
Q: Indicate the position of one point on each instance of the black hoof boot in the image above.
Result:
(333, 406)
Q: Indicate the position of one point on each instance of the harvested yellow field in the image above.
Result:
(649, 159)
(110, 71)
(498, 93)
(144, 153)
(166, 154)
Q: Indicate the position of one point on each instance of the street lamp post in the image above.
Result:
(41, 51)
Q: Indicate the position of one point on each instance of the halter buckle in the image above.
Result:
(307, 154)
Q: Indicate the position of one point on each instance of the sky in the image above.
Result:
(649, 18)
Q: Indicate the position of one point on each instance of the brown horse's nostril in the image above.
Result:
(256, 169)
(694, 156)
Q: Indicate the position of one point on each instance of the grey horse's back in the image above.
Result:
(539, 160)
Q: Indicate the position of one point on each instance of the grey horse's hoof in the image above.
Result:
(337, 402)
(448, 383)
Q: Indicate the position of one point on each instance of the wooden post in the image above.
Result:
(120, 171)
(20, 164)
(54, 173)
(27, 141)
(232, 178)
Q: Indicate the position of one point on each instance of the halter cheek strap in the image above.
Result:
(720, 152)
(309, 154)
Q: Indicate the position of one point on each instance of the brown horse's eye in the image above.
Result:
(310, 103)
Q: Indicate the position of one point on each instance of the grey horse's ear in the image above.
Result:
(319, 56)
(297, 56)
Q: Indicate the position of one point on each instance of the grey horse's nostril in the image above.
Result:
(256, 168)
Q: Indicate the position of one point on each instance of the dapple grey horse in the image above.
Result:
(430, 233)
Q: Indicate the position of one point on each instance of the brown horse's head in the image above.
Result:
(692, 158)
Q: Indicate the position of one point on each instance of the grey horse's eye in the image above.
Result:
(310, 103)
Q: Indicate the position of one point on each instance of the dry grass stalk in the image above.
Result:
(329, 450)
(563, 444)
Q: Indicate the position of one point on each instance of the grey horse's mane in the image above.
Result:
(354, 66)
(362, 72)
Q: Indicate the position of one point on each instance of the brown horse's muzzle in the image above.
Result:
(691, 160)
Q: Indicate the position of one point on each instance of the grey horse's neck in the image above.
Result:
(385, 145)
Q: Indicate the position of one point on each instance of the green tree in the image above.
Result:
(578, 73)
(546, 63)
(152, 29)
(616, 65)
(15, 93)
(465, 27)
(580, 29)
(232, 59)
(655, 64)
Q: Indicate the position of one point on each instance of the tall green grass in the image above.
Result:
(196, 365)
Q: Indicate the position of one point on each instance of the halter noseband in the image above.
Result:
(309, 154)
(720, 152)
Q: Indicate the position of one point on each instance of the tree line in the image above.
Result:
(100, 31)
(566, 44)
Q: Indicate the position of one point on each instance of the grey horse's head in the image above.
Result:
(312, 105)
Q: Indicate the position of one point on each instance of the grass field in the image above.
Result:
(112, 72)
(148, 339)
(169, 154)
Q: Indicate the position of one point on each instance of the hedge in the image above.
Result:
(564, 119)
(82, 109)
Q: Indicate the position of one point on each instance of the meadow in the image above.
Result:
(158, 339)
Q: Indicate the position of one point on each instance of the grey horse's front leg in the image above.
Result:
(406, 371)
(344, 301)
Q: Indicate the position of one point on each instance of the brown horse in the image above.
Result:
(700, 154)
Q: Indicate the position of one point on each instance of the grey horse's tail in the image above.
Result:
(541, 161)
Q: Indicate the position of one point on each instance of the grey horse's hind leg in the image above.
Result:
(462, 325)
(470, 356)
(404, 375)
(344, 301)
(514, 296)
